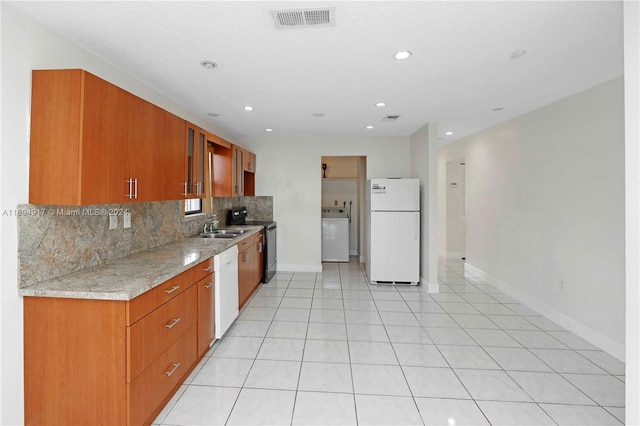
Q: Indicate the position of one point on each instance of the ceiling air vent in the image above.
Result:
(390, 117)
(296, 18)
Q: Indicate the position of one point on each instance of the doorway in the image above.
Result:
(343, 180)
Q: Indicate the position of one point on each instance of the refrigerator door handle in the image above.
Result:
(417, 227)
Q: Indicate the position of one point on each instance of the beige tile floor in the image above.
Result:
(331, 349)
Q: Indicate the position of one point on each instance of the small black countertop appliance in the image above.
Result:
(237, 216)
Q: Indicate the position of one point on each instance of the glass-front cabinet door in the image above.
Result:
(196, 148)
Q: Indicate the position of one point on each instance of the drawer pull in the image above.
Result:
(208, 285)
(173, 323)
(208, 268)
(172, 289)
(172, 370)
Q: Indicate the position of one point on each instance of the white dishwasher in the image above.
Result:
(225, 266)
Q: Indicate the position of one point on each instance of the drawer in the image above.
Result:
(147, 302)
(153, 387)
(153, 334)
(246, 243)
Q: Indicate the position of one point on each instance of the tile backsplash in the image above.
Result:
(57, 240)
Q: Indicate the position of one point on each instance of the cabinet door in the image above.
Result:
(196, 148)
(238, 171)
(105, 145)
(56, 112)
(146, 133)
(206, 313)
(174, 153)
(249, 161)
(245, 275)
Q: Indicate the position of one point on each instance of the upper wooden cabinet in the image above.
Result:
(238, 171)
(92, 142)
(196, 154)
(79, 148)
(174, 173)
(249, 162)
(244, 167)
(145, 135)
(223, 167)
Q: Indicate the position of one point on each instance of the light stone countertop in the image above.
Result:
(130, 276)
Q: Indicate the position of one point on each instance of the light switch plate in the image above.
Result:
(127, 220)
(113, 221)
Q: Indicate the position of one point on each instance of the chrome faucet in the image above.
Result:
(211, 225)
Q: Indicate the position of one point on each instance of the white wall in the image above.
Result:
(288, 168)
(455, 240)
(423, 166)
(545, 206)
(632, 185)
(27, 45)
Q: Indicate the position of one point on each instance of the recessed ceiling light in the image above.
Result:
(518, 53)
(213, 114)
(208, 64)
(449, 133)
(498, 109)
(248, 108)
(381, 104)
(318, 114)
(403, 54)
(268, 130)
(369, 127)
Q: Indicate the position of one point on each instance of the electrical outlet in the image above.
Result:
(335, 202)
(113, 221)
(127, 220)
(561, 286)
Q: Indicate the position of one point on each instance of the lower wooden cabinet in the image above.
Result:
(91, 362)
(155, 386)
(245, 274)
(250, 265)
(206, 313)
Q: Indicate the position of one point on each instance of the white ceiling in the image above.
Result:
(460, 69)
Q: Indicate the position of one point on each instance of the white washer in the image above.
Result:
(335, 235)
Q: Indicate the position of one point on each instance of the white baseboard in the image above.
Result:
(431, 288)
(353, 252)
(455, 255)
(363, 259)
(299, 268)
(592, 336)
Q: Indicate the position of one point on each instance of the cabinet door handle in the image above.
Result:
(172, 289)
(172, 370)
(259, 247)
(208, 285)
(173, 323)
(184, 194)
(208, 268)
(130, 182)
(135, 189)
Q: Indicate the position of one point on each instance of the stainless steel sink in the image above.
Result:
(227, 233)
(235, 230)
(216, 234)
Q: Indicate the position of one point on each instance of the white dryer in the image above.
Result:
(335, 234)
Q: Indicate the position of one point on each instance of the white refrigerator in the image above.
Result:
(393, 231)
